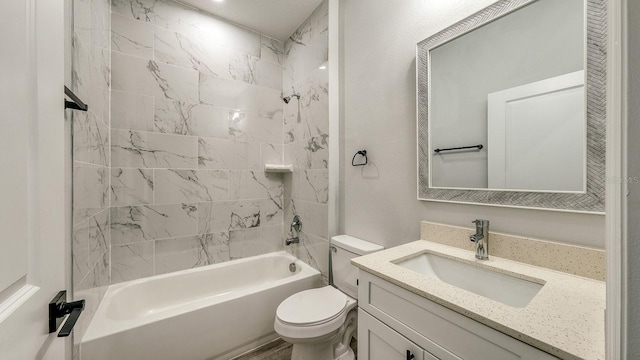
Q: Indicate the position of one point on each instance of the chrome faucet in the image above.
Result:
(481, 238)
(296, 225)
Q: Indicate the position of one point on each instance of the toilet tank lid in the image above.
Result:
(355, 245)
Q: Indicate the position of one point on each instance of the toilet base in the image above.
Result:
(321, 351)
(349, 355)
(335, 346)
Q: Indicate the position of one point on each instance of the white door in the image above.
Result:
(537, 136)
(32, 169)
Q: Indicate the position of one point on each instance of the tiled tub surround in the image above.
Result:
(570, 259)
(196, 113)
(565, 318)
(306, 139)
(90, 80)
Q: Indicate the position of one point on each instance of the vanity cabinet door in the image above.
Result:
(376, 341)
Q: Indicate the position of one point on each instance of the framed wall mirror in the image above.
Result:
(511, 107)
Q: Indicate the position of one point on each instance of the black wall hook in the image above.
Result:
(363, 153)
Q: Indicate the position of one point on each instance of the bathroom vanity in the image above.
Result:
(427, 330)
(425, 300)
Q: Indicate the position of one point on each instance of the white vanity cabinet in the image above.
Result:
(393, 320)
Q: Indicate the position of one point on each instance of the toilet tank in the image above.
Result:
(345, 275)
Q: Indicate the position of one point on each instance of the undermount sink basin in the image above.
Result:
(497, 286)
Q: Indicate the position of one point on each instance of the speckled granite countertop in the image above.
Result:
(565, 319)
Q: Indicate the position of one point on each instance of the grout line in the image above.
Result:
(192, 202)
(83, 163)
(153, 112)
(154, 256)
(153, 48)
(153, 180)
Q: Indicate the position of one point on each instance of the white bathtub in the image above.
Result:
(213, 312)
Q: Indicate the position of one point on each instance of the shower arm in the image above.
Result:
(286, 99)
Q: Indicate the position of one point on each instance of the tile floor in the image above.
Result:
(279, 350)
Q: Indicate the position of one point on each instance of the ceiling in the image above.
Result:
(275, 18)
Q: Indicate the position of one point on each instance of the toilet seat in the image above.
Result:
(312, 307)
(312, 313)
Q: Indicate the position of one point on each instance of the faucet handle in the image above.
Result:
(296, 224)
(480, 222)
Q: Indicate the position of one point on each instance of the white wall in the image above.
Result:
(633, 172)
(378, 202)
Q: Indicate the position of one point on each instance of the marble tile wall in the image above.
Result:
(184, 111)
(306, 137)
(91, 81)
(196, 112)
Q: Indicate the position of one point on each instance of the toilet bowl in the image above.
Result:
(317, 321)
(321, 322)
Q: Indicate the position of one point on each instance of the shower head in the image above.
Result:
(286, 99)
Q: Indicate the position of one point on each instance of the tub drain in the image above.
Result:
(292, 267)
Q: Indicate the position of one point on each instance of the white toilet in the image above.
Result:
(321, 322)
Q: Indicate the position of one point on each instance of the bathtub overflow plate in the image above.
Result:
(292, 267)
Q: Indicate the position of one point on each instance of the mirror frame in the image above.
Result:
(590, 201)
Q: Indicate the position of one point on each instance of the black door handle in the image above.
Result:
(409, 355)
(71, 321)
(59, 308)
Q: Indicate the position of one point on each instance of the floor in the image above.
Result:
(279, 350)
(275, 350)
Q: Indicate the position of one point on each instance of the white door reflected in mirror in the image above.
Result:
(536, 136)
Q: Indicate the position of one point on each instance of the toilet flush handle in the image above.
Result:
(332, 249)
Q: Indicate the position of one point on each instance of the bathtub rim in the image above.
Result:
(110, 326)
